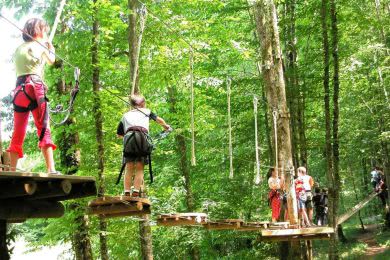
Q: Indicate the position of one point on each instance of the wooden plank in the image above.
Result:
(21, 209)
(356, 208)
(79, 190)
(145, 211)
(302, 231)
(295, 238)
(112, 209)
(7, 175)
(187, 214)
(51, 189)
(175, 223)
(108, 200)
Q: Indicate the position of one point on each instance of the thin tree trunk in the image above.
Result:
(184, 168)
(97, 112)
(70, 161)
(133, 45)
(272, 69)
(334, 253)
(4, 254)
(144, 226)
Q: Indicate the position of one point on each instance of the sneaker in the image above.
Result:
(126, 194)
(135, 193)
(55, 173)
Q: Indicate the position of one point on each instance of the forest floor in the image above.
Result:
(373, 249)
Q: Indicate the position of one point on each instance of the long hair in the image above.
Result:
(34, 27)
(269, 174)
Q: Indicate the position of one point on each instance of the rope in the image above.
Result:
(274, 115)
(143, 15)
(258, 176)
(193, 158)
(229, 83)
(55, 24)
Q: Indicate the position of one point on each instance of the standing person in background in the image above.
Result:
(30, 92)
(274, 196)
(308, 184)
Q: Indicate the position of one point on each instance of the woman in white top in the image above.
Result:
(275, 184)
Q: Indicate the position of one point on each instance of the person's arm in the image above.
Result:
(311, 182)
(49, 55)
(159, 121)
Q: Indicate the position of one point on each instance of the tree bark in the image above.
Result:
(4, 254)
(272, 70)
(133, 46)
(184, 167)
(97, 112)
(144, 226)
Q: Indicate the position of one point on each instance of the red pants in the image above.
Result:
(35, 89)
(274, 197)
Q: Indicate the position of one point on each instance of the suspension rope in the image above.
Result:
(229, 83)
(274, 115)
(258, 176)
(193, 158)
(143, 15)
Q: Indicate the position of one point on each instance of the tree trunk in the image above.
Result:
(184, 167)
(70, 162)
(97, 112)
(146, 238)
(133, 46)
(272, 70)
(144, 226)
(4, 254)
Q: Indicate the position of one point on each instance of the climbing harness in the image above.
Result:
(133, 133)
(60, 109)
(257, 148)
(229, 83)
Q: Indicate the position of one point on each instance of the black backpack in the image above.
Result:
(137, 144)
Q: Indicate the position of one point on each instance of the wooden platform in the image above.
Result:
(182, 219)
(297, 234)
(119, 206)
(37, 195)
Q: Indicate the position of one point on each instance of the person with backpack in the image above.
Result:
(137, 144)
(29, 94)
(320, 200)
(308, 184)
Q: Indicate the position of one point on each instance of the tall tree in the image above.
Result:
(97, 112)
(133, 42)
(272, 70)
(184, 166)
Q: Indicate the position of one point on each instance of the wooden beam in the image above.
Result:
(356, 208)
(294, 232)
(113, 208)
(43, 176)
(80, 190)
(182, 219)
(145, 211)
(51, 189)
(295, 238)
(17, 189)
(21, 209)
(109, 200)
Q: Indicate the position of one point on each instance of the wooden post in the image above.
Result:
(3, 240)
(17, 189)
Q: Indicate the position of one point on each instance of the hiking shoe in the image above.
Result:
(126, 194)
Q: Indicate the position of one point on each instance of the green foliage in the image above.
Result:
(222, 34)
